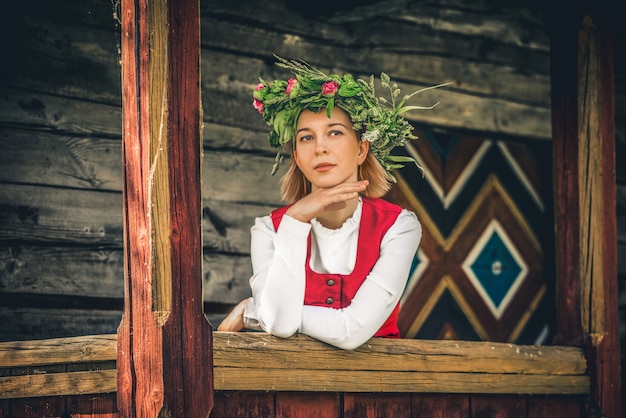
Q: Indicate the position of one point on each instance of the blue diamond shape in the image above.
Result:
(496, 269)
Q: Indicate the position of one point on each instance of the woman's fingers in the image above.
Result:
(324, 199)
(234, 320)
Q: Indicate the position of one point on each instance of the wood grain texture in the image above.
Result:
(243, 404)
(57, 384)
(164, 355)
(92, 348)
(376, 405)
(598, 257)
(307, 404)
(566, 189)
(397, 355)
(440, 405)
(302, 364)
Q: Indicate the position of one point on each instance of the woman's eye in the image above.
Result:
(306, 138)
(335, 133)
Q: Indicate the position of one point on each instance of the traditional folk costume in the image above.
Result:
(341, 286)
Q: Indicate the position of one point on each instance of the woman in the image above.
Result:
(334, 262)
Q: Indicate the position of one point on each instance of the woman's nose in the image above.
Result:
(321, 145)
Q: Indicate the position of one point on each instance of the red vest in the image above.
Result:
(337, 290)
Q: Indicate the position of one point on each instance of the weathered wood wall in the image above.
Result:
(60, 128)
(260, 375)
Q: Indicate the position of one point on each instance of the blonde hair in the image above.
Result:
(294, 185)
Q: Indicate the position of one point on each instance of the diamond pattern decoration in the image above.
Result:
(479, 271)
(495, 268)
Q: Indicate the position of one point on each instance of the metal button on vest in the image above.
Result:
(330, 282)
(329, 301)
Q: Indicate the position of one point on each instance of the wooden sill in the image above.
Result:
(258, 361)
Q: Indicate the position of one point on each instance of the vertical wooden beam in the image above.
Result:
(584, 154)
(598, 216)
(563, 65)
(164, 356)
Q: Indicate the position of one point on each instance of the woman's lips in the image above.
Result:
(324, 167)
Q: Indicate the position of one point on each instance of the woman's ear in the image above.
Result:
(294, 155)
(364, 147)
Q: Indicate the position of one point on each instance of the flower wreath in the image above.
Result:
(380, 120)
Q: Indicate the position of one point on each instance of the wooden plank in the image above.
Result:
(411, 62)
(56, 384)
(47, 158)
(308, 404)
(94, 272)
(64, 272)
(408, 26)
(376, 405)
(226, 278)
(31, 213)
(93, 348)
(18, 324)
(239, 177)
(98, 406)
(243, 404)
(227, 378)
(83, 63)
(379, 374)
(87, 162)
(42, 215)
(499, 406)
(37, 321)
(440, 405)
(44, 407)
(549, 407)
(60, 114)
(239, 350)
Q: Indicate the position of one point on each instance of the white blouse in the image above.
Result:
(278, 280)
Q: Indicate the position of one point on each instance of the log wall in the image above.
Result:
(61, 270)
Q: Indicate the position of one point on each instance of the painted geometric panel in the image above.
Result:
(484, 268)
(495, 268)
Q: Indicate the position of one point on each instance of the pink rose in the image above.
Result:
(258, 105)
(329, 87)
(260, 86)
(291, 83)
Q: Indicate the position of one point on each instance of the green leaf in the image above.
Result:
(329, 106)
(349, 88)
(277, 161)
(400, 159)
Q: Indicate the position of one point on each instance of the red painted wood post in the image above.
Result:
(596, 126)
(584, 153)
(164, 356)
(564, 79)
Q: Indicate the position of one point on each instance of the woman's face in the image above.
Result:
(327, 150)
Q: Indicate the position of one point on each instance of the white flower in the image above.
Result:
(371, 136)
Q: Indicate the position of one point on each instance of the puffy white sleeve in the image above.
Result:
(278, 280)
(379, 294)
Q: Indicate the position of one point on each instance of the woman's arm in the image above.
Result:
(379, 294)
(278, 281)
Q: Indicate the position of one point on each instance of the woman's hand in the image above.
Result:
(234, 320)
(321, 200)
